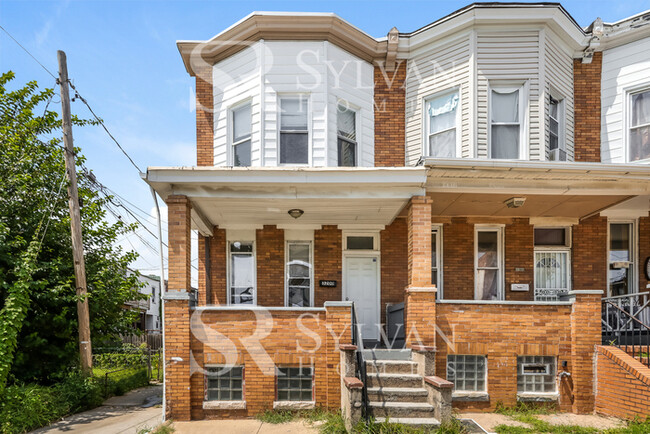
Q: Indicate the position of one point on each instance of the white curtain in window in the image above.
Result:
(505, 106)
(641, 109)
(293, 113)
(346, 123)
(442, 113)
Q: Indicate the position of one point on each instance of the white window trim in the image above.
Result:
(311, 270)
(634, 254)
(228, 276)
(373, 234)
(230, 153)
(439, 283)
(357, 129)
(627, 120)
(427, 119)
(310, 135)
(561, 123)
(501, 258)
(523, 110)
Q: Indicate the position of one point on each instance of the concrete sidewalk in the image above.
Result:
(242, 426)
(140, 408)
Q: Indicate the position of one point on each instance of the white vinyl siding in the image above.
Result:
(266, 71)
(625, 71)
(510, 58)
(558, 73)
(435, 69)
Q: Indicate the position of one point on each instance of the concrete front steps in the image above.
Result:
(396, 391)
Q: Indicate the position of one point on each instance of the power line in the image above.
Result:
(27, 51)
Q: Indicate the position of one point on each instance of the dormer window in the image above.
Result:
(506, 115)
(640, 126)
(556, 145)
(442, 121)
(294, 130)
(241, 135)
(346, 119)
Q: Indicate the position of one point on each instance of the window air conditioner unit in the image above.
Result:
(557, 155)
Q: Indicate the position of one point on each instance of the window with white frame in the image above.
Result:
(295, 384)
(294, 130)
(467, 372)
(536, 374)
(242, 272)
(436, 259)
(621, 258)
(241, 135)
(552, 263)
(488, 263)
(639, 126)
(361, 241)
(556, 145)
(224, 383)
(346, 125)
(299, 274)
(442, 118)
(506, 126)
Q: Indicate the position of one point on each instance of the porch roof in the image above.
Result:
(465, 187)
(235, 197)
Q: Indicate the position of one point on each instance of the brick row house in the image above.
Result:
(456, 200)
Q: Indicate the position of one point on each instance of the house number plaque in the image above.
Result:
(328, 283)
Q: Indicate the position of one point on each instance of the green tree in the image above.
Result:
(33, 190)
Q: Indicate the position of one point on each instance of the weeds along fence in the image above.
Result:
(151, 340)
(124, 368)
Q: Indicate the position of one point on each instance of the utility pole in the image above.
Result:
(85, 348)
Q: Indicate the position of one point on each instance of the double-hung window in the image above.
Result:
(488, 263)
(506, 122)
(436, 259)
(242, 272)
(299, 274)
(552, 263)
(241, 135)
(346, 119)
(442, 118)
(556, 146)
(294, 130)
(639, 147)
(621, 258)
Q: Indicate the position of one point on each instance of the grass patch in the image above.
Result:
(165, 428)
(525, 408)
(283, 416)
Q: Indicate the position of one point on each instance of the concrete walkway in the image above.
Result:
(140, 408)
(242, 426)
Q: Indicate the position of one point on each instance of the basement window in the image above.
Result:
(295, 384)
(536, 374)
(467, 372)
(224, 383)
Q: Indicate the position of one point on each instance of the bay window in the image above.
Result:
(506, 126)
(242, 273)
(241, 135)
(556, 145)
(294, 130)
(442, 119)
(639, 134)
(488, 263)
(347, 136)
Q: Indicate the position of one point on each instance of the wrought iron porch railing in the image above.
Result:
(625, 324)
(360, 371)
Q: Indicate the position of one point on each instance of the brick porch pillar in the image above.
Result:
(420, 297)
(177, 310)
(585, 336)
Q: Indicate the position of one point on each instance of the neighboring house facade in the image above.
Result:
(150, 308)
(486, 171)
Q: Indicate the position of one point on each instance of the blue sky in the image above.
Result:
(122, 57)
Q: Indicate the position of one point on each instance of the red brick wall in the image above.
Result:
(623, 385)
(458, 259)
(394, 278)
(204, 118)
(203, 268)
(585, 336)
(589, 254)
(586, 97)
(270, 266)
(218, 268)
(419, 241)
(644, 251)
(519, 254)
(327, 263)
(390, 106)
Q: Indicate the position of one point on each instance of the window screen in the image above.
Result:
(295, 384)
(536, 374)
(467, 372)
(225, 383)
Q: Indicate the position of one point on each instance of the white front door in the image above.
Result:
(361, 287)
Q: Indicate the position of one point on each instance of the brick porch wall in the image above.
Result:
(327, 263)
(270, 266)
(589, 254)
(394, 264)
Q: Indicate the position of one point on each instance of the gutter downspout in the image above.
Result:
(163, 288)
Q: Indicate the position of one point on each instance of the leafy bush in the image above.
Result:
(121, 382)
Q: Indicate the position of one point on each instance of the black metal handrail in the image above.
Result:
(360, 370)
(624, 330)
